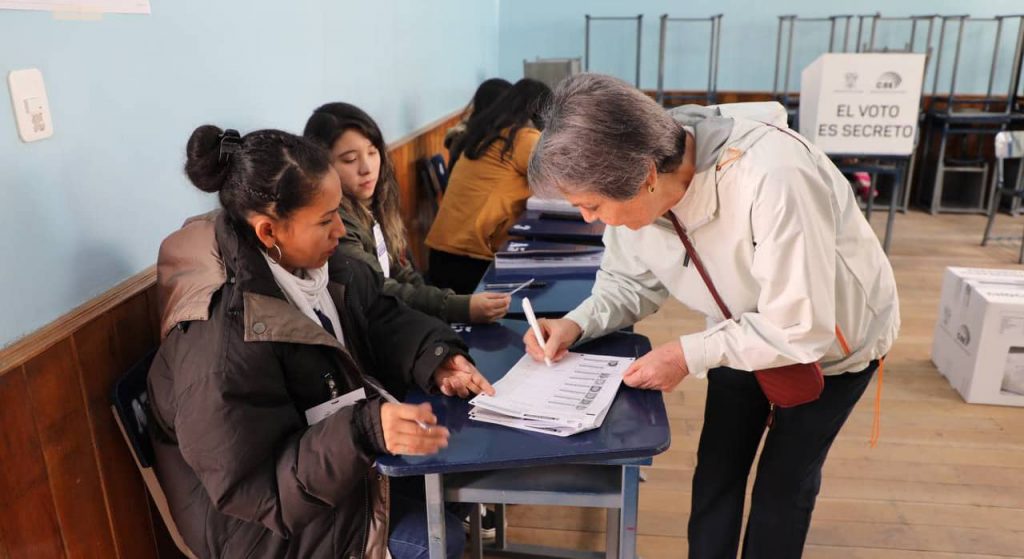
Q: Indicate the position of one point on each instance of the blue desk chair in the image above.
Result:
(131, 412)
(1009, 145)
(440, 170)
(429, 190)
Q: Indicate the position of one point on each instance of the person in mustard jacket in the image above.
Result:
(487, 190)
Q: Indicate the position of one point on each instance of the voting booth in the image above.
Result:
(868, 103)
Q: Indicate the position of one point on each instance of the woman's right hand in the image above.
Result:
(559, 334)
(488, 307)
(403, 435)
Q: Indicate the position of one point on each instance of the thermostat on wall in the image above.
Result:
(31, 107)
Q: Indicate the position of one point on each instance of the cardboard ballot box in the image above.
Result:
(862, 103)
(979, 337)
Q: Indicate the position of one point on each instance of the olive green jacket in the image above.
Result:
(405, 282)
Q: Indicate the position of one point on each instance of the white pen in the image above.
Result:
(389, 398)
(535, 326)
(524, 285)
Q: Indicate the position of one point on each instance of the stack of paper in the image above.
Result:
(552, 206)
(570, 397)
(542, 254)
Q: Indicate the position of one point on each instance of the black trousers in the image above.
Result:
(456, 272)
(788, 474)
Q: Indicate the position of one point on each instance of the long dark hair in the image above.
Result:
(266, 171)
(487, 93)
(520, 106)
(324, 127)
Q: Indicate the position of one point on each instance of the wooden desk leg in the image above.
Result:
(628, 511)
(435, 515)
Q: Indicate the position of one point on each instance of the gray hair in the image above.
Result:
(601, 135)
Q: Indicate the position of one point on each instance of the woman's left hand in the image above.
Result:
(661, 369)
(457, 376)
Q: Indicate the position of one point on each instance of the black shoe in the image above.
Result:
(488, 524)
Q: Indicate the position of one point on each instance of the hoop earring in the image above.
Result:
(280, 255)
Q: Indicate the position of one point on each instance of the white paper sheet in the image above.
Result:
(572, 396)
(78, 6)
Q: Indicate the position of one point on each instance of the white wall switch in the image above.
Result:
(31, 107)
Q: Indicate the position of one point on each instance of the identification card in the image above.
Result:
(316, 414)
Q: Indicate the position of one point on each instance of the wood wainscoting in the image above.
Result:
(68, 485)
(405, 153)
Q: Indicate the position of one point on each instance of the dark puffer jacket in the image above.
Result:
(245, 476)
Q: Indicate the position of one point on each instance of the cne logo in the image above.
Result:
(889, 80)
(963, 335)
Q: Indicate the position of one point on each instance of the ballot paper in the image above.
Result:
(570, 397)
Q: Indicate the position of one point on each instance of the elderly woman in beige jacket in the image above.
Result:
(782, 239)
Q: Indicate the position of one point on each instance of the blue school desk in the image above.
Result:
(487, 463)
(563, 290)
(531, 225)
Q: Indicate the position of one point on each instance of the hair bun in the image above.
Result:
(203, 165)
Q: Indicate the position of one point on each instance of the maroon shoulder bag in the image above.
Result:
(786, 386)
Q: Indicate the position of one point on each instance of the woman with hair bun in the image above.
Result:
(265, 392)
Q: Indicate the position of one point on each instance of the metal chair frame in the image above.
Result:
(639, 19)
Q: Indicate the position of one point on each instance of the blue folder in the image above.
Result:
(531, 225)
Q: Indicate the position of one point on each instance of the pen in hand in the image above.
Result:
(391, 399)
(535, 326)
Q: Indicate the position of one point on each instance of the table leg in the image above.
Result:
(897, 194)
(612, 534)
(435, 515)
(476, 541)
(499, 527)
(869, 205)
(628, 511)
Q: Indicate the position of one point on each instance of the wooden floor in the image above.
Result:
(946, 480)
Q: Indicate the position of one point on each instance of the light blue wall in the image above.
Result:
(88, 207)
(532, 28)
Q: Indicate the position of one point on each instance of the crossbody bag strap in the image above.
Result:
(681, 231)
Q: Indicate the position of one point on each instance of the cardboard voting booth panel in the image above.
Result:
(978, 343)
(862, 103)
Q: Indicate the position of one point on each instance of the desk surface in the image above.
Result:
(531, 226)
(563, 291)
(636, 425)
